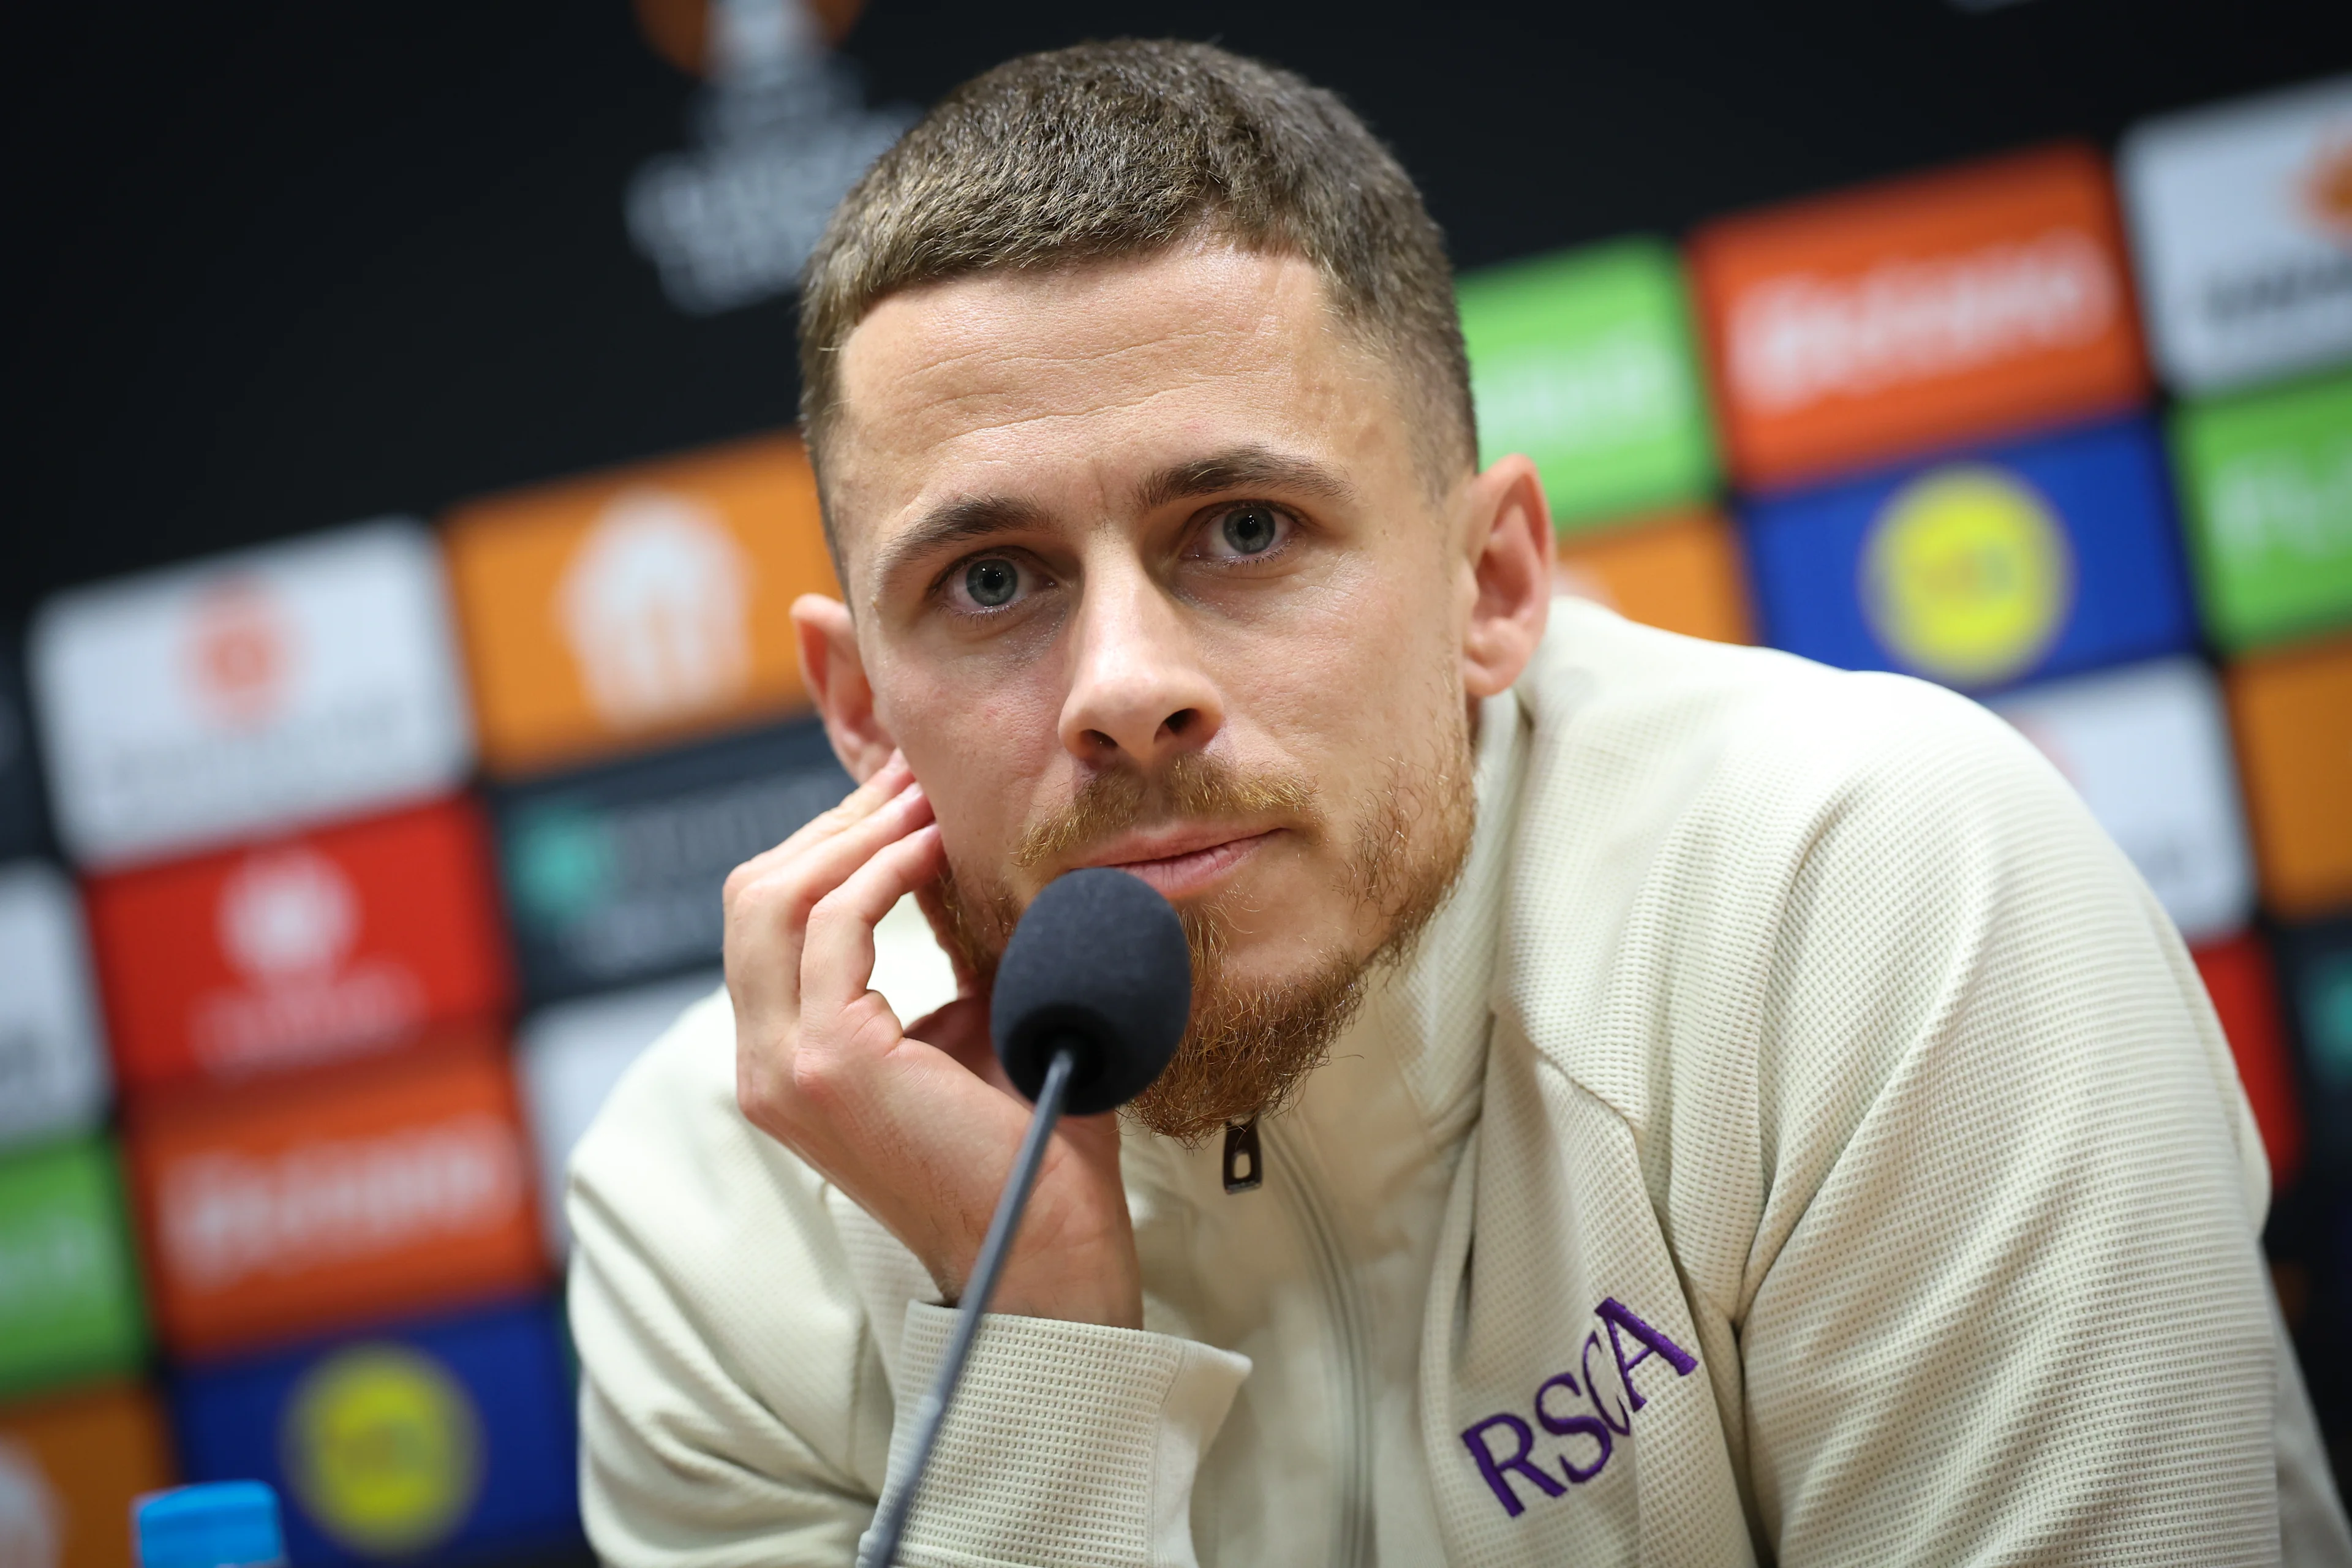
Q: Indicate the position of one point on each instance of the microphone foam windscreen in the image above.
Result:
(1099, 961)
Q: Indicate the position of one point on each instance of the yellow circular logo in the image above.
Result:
(383, 1450)
(1966, 575)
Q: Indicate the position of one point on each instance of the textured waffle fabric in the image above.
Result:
(1801, 1138)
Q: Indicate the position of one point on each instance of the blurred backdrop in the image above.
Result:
(392, 656)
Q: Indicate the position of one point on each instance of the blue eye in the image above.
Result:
(1250, 529)
(991, 582)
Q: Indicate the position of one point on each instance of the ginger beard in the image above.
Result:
(1248, 1047)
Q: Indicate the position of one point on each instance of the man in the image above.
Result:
(1645, 1101)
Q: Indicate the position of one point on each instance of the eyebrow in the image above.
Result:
(1248, 467)
(1241, 468)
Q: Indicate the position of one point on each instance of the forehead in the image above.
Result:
(1060, 388)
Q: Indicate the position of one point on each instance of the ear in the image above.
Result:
(834, 674)
(1509, 547)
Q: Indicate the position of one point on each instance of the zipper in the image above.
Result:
(1353, 1396)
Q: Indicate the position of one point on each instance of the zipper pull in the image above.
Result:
(1245, 1166)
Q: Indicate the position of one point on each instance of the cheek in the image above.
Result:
(979, 750)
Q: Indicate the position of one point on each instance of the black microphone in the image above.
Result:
(1090, 999)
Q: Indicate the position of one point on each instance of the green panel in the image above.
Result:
(69, 1303)
(2267, 486)
(1584, 361)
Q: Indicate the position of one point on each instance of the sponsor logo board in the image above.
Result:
(394, 1186)
(1680, 572)
(24, 826)
(613, 875)
(2035, 559)
(2241, 219)
(1586, 363)
(299, 950)
(70, 1467)
(53, 1075)
(570, 1056)
(2315, 977)
(612, 613)
(2239, 978)
(69, 1308)
(2267, 485)
(2294, 725)
(444, 1441)
(1946, 307)
(276, 687)
(2148, 748)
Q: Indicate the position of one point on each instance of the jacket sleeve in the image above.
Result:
(738, 1399)
(2006, 1303)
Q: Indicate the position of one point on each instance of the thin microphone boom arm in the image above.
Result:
(932, 1413)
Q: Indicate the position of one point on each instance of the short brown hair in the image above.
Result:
(1115, 150)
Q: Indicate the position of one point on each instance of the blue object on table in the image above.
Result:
(1982, 569)
(448, 1441)
(221, 1524)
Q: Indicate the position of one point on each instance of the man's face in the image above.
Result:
(1143, 573)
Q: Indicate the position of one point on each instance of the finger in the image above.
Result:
(771, 910)
(887, 783)
(837, 950)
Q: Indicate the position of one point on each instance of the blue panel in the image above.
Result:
(448, 1442)
(612, 874)
(1940, 568)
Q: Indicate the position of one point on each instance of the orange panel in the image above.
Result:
(627, 609)
(80, 1460)
(345, 1196)
(2238, 979)
(1680, 572)
(2293, 719)
(1858, 328)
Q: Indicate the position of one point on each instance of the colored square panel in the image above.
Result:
(2147, 747)
(1681, 572)
(2244, 991)
(2315, 977)
(302, 949)
(53, 1075)
(570, 1056)
(380, 1189)
(1585, 361)
(2241, 222)
(70, 1469)
(2266, 482)
(69, 1308)
(2294, 724)
(2023, 561)
(24, 826)
(633, 608)
(613, 875)
(261, 690)
(1929, 311)
(436, 1442)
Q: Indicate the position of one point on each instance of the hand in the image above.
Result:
(920, 1128)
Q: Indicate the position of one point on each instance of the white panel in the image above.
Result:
(53, 1074)
(573, 1055)
(2148, 748)
(2241, 222)
(278, 686)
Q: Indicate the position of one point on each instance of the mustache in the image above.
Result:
(1196, 786)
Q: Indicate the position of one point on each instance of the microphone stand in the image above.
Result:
(933, 1411)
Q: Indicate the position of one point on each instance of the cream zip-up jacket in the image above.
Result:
(1801, 1138)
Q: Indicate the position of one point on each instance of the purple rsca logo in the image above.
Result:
(1503, 1444)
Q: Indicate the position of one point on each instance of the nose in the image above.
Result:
(1139, 696)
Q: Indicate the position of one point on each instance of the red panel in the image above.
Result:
(2238, 979)
(301, 950)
